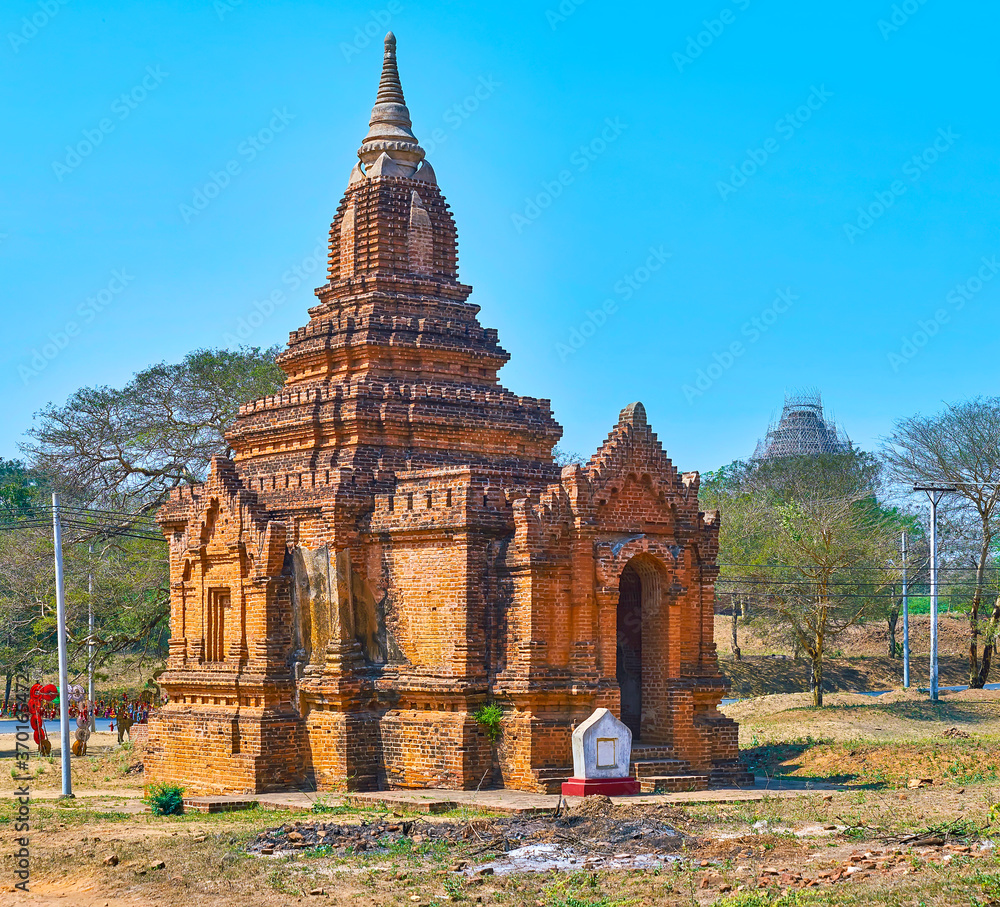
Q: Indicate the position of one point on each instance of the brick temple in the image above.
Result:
(392, 546)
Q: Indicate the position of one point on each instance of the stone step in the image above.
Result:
(219, 804)
(732, 775)
(551, 779)
(653, 751)
(669, 784)
(644, 768)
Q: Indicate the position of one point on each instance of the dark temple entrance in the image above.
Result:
(629, 628)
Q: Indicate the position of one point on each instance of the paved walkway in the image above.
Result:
(513, 802)
(508, 802)
(80, 793)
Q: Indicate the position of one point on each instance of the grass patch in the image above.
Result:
(880, 764)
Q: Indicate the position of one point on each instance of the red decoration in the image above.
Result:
(38, 697)
(610, 787)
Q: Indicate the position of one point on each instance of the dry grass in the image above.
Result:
(107, 766)
(870, 639)
(883, 741)
(848, 716)
(856, 660)
(764, 675)
(206, 863)
(878, 743)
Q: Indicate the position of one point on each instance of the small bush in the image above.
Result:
(745, 899)
(165, 799)
(489, 717)
(759, 899)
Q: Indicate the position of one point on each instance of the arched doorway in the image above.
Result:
(629, 661)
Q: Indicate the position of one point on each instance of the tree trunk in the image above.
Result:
(990, 647)
(6, 694)
(737, 654)
(984, 667)
(817, 680)
(893, 619)
(977, 597)
(973, 647)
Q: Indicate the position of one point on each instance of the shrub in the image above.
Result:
(165, 799)
(489, 717)
(759, 899)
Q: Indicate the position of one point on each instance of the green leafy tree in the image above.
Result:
(809, 543)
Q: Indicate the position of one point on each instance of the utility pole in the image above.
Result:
(90, 637)
(935, 493)
(906, 623)
(67, 783)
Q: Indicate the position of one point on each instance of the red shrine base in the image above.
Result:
(610, 787)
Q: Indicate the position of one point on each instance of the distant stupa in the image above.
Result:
(801, 431)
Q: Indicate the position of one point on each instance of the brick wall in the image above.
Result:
(444, 561)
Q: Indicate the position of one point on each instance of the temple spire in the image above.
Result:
(389, 130)
(389, 89)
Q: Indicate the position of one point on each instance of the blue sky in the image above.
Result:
(696, 205)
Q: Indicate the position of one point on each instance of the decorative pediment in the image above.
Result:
(633, 460)
(221, 515)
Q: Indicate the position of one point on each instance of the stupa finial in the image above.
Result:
(389, 89)
(389, 130)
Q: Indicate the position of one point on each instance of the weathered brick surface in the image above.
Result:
(392, 545)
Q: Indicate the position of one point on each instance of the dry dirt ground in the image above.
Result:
(866, 639)
(107, 766)
(875, 840)
(856, 660)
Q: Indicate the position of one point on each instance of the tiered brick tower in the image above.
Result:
(392, 546)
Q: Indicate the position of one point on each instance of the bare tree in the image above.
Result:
(122, 449)
(566, 457)
(132, 445)
(960, 447)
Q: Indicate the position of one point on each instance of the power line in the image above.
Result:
(106, 531)
(119, 514)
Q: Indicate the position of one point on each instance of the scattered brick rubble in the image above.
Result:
(593, 829)
(885, 860)
(599, 835)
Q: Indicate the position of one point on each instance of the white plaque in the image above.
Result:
(607, 752)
